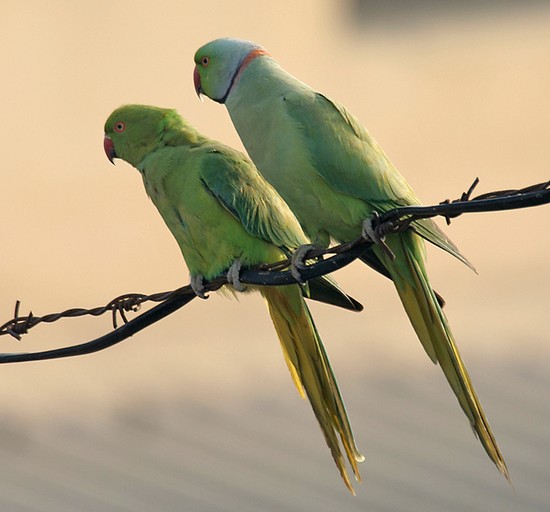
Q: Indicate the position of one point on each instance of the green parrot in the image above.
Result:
(223, 214)
(335, 178)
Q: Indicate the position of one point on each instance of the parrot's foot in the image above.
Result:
(373, 233)
(297, 261)
(233, 276)
(198, 286)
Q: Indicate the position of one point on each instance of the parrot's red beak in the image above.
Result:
(109, 149)
(197, 82)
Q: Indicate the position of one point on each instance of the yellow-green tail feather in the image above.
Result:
(433, 330)
(312, 374)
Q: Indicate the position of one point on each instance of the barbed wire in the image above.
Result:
(273, 274)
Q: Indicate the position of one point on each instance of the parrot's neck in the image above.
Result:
(253, 100)
(262, 80)
(182, 137)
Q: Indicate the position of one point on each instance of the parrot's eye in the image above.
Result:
(205, 61)
(120, 127)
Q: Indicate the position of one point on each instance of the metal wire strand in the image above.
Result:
(273, 274)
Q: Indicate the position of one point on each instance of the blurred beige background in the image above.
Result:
(198, 412)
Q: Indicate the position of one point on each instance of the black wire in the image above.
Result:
(399, 218)
(108, 340)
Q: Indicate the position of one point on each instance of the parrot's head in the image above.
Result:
(133, 131)
(219, 63)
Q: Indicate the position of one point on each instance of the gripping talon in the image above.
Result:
(373, 234)
(198, 286)
(233, 276)
(368, 232)
(297, 261)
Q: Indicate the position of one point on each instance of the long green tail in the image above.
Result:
(431, 326)
(312, 374)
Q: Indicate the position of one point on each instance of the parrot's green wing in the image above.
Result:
(372, 177)
(233, 180)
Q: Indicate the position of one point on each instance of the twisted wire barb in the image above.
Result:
(20, 325)
(395, 220)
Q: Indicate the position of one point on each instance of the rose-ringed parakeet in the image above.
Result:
(335, 177)
(223, 214)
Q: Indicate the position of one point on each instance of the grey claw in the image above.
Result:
(233, 276)
(198, 286)
(372, 234)
(368, 232)
(297, 261)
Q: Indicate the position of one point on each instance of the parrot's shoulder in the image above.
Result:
(308, 106)
(217, 160)
(340, 112)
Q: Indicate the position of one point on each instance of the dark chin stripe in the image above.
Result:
(248, 58)
(233, 78)
(222, 100)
